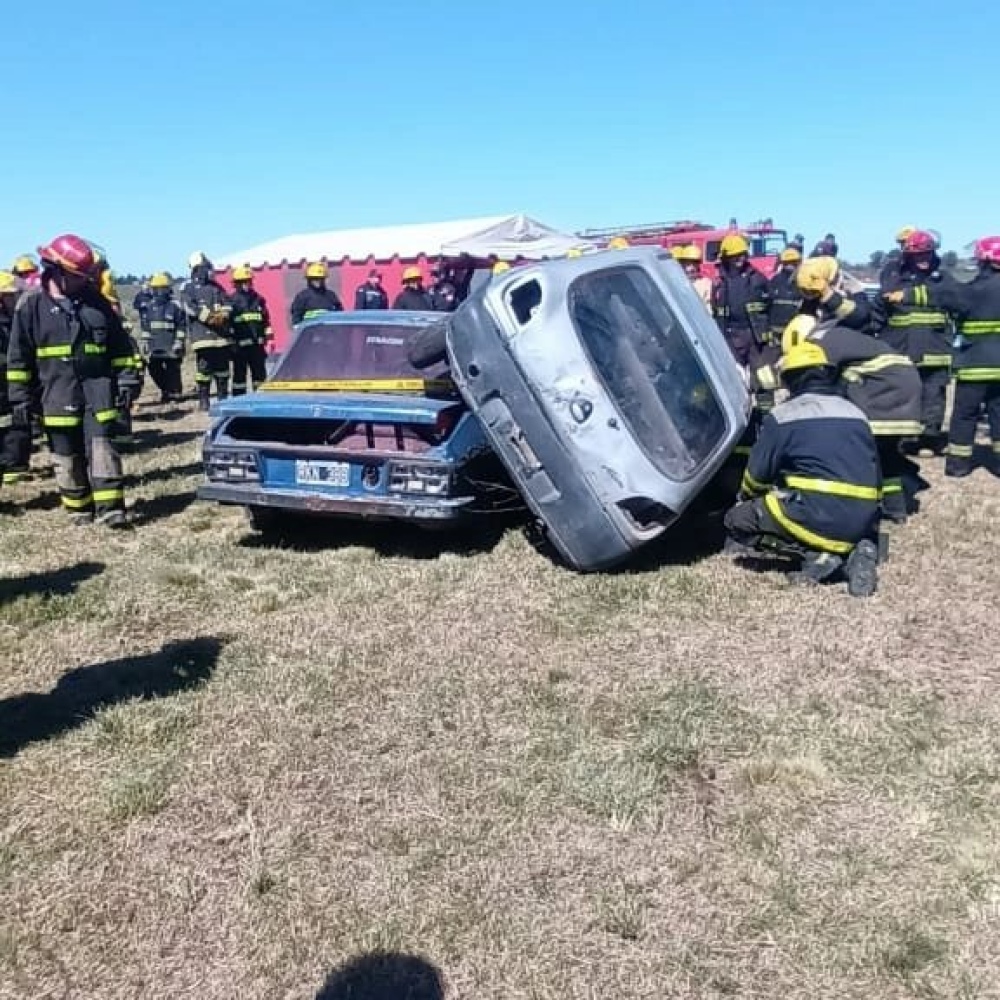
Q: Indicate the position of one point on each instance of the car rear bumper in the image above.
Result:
(364, 508)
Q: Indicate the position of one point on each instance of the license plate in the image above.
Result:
(323, 473)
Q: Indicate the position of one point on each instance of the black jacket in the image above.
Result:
(371, 297)
(312, 302)
(414, 300)
(816, 463)
(975, 308)
(740, 301)
(77, 351)
(6, 321)
(785, 302)
(914, 327)
(251, 321)
(202, 298)
(853, 311)
(163, 324)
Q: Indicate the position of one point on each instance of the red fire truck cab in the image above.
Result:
(766, 242)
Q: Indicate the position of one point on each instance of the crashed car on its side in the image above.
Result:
(346, 427)
(606, 389)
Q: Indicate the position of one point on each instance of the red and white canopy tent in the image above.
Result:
(350, 254)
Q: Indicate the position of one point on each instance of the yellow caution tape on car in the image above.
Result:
(363, 385)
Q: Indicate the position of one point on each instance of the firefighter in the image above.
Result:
(786, 299)
(921, 332)
(975, 308)
(316, 298)
(618, 243)
(413, 296)
(893, 259)
(885, 386)
(690, 259)
(443, 293)
(820, 283)
(15, 438)
(142, 298)
(811, 487)
(207, 312)
(740, 300)
(67, 337)
(25, 270)
(371, 295)
(252, 329)
(163, 338)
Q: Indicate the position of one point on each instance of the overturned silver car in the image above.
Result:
(607, 391)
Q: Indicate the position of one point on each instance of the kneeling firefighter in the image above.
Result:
(885, 386)
(812, 484)
(208, 311)
(67, 339)
(163, 338)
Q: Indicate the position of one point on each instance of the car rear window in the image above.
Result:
(649, 367)
(364, 351)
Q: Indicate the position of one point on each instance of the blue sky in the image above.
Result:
(160, 128)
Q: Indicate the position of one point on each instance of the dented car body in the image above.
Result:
(345, 427)
(607, 391)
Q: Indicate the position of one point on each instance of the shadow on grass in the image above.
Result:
(80, 694)
(56, 583)
(161, 507)
(48, 499)
(406, 541)
(384, 976)
(145, 440)
(168, 473)
(161, 412)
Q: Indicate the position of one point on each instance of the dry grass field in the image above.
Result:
(228, 769)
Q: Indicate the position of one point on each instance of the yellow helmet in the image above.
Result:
(24, 265)
(806, 354)
(501, 267)
(690, 253)
(574, 252)
(8, 283)
(790, 255)
(317, 269)
(412, 274)
(242, 273)
(618, 243)
(734, 245)
(904, 232)
(816, 275)
(161, 280)
(797, 332)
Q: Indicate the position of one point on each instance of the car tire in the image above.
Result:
(267, 520)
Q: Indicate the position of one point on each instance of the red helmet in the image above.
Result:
(71, 254)
(988, 249)
(919, 242)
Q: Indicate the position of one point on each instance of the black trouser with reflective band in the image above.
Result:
(933, 401)
(896, 498)
(88, 468)
(15, 447)
(750, 523)
(971, 398)
(252, 359)
(212, 365)
(166, 375)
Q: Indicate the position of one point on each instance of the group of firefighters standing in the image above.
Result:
(866, 380)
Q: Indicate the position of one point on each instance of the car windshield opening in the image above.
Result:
(649, 367)
(374, 352)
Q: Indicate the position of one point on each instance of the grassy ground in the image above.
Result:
(227, 769)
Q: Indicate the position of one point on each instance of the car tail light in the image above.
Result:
(419, 478)
(231, 465)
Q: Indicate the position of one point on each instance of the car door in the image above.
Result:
(606, 389)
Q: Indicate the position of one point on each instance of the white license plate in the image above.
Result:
(322, 473)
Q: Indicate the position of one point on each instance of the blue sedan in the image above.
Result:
(346, 427)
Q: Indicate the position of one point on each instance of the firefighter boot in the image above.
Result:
(74, 487)
(204, 396)
(862, 569)
(958, 466)
(817, 567)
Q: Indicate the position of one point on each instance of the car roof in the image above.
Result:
(374, 317)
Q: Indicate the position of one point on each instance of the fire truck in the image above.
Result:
(766, 242)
